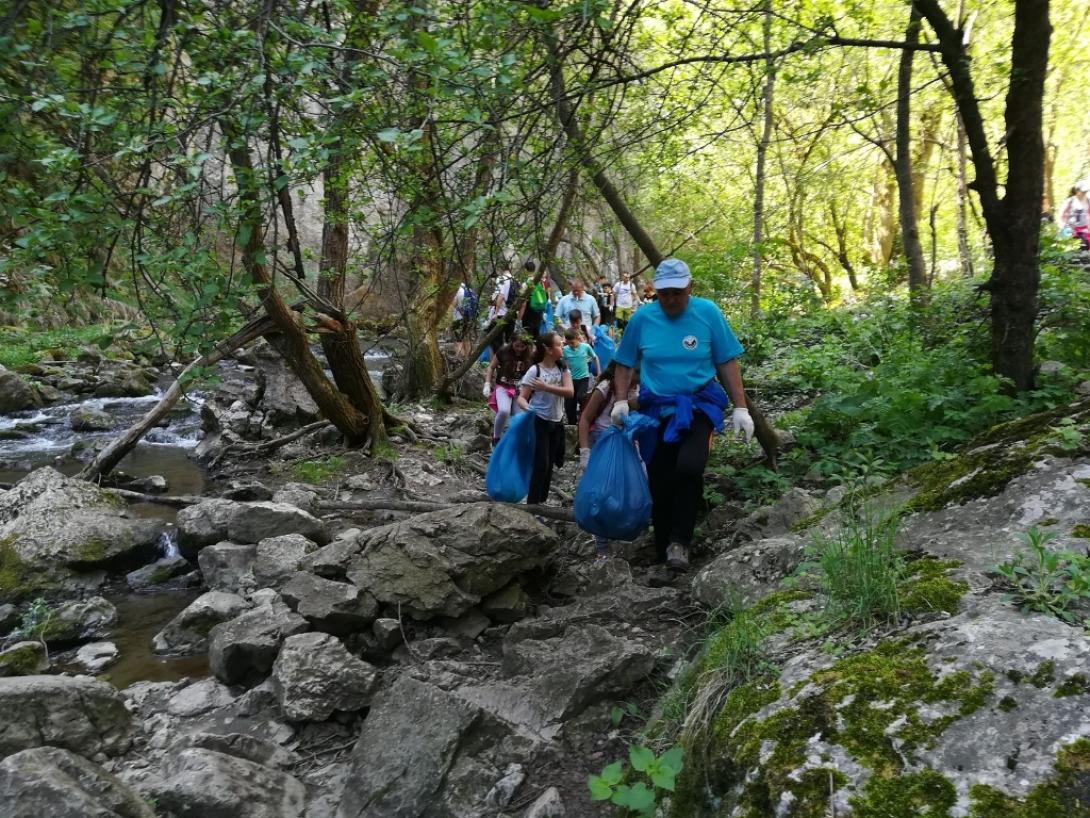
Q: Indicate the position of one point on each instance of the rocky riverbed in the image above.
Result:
(472, 661)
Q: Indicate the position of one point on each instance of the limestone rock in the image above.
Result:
(388, 633)
(547, 805)
(279, 557)
(76, 713)
(187, 633)
(748, 572)
(129, 383)
(24, 659)
(88, 419)
(199, 697)
(299, 495)
(9, 619)
(285, 401)
(444, 562)
(227, 566)
(72, 622)
(242, 651)
(216, 520)
(202, 783)
(95, 657)
(509, 604)
(168, 573)
(429, 724)
(332, 561)
(16, 395)
(315, 675)
(54, 530)
(48, 781)
(777, 519)
(333, 607)
(240, 745)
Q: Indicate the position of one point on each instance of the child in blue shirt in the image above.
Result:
(578, 355)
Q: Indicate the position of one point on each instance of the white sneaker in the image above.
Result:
(677, 557)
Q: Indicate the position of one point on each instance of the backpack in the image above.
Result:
(468, 308)
(538, 298)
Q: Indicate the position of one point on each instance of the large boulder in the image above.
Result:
(57, 532)
(73, 622)
(315, 675)
(333, 607)
(242, 651)
(228, 566)
(77, 713)
(89, 419)
(200, 783)
(399, 778)
(777, 519)
(16, 395)
(217, 520)
(749, 572)
(445, 562)
(166, 574)
(187, 633)
(284, 401)
(58, 783)
(278, 558)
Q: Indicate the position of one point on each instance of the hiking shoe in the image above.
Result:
(677, 557)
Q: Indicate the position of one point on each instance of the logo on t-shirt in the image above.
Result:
(689, 342)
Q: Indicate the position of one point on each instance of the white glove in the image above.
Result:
(584, 459)
(741, 422)
(620, 412)
(487, 389)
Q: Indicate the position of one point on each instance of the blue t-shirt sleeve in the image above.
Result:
(628, 352)
(725, 345)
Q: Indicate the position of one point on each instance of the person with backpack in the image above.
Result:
(464, 319)
(595, 419)
(509, 363)
(626, 295)
(688, 358)
(1075, 214)
(578, 355)
(542, 391)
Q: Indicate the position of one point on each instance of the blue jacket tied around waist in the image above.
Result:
(711, 400)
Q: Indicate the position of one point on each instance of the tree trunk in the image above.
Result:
(1013, 222)
(906, 198)
(106, 460)
(965, 255)
(292, 342)
(759, 182)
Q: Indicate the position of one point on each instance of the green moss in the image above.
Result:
(12, 568)
(927, 588)
(1044, 675)
(319, 470)
(926, 794)
(1007, 704)
(1065, 794)
(21, 660)
(92, 551)
(1048, 521)
(1082, 531)
(1084, 481)
(990, 461)
(777, 599)
(1077, 685)
(1016, 676)
(743, 702)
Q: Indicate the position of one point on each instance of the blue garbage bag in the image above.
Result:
(512, 462)
(604, 347)
(613, 499)
(486, 356)
(547, 319)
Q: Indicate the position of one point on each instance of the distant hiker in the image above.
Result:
(607, 302)
(595, 419)
(503, 299)
(542, 391)
(627, 297)
(535, 306)
(1075, 214)
(464, 319)
(649, 294)
(578, 355)
(682, 344)
(508, 365)
(578, 299)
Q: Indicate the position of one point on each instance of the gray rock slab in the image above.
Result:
(228, 566)
(314, 676)
(277, 558)
(242, 651)
(333, 607)
(48, 781)
(187, 633)
(76, 713)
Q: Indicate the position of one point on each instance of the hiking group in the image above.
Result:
(676, 365)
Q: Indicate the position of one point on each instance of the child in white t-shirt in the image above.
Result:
(542, 391)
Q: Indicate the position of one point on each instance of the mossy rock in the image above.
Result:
(23, 659)
(1066, 794)
(928, 588)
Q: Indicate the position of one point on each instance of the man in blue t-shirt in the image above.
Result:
(681, 344)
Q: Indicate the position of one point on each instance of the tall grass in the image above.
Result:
(861, 567)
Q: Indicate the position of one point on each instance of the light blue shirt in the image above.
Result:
(578, 360)
(677, 356)
(586, 305)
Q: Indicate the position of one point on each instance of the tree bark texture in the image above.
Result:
(762, 154)
(903, 166)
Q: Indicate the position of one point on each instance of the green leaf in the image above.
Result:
(613, 773)
(673, 759)
(600, 789)
(388, 135)
(662, 777)
(638, 798)
(641, 758)
(616, 715)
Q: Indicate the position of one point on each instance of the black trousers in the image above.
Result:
(573, 406)
(548, 451)
(676, 478)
